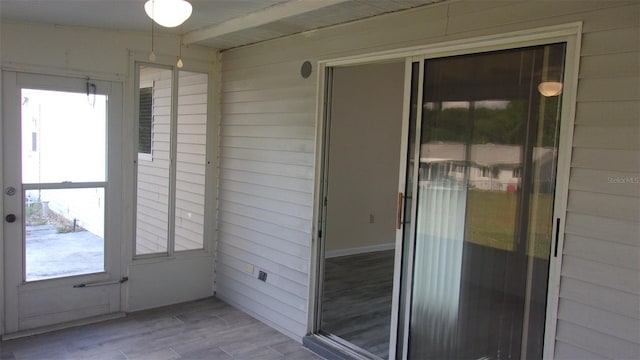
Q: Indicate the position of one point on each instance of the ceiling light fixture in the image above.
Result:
(550, 88)
(168, 13)
(551, 82)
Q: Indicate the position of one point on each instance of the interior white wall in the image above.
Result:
(108, 55)
(364, 158)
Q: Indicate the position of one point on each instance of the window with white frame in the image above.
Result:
(170, 185)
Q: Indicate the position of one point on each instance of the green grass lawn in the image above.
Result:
(491, 221)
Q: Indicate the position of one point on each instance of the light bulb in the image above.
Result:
(179, 64)
(152, 56)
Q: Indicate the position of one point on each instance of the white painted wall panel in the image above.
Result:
(603, 228)
(270, 204)
(268, 106)
(598, 296)
(565, 351)
(592, 342)
(614, 325)
(606, 252)
(600, 159)
(601, 181)
(614, 277)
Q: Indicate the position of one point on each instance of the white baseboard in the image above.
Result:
(359, 250)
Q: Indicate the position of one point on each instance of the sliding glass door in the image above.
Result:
(486, 140)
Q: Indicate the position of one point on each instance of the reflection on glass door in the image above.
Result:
(64, 174)
(486, 175)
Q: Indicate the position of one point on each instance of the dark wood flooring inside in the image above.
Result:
(357, 299)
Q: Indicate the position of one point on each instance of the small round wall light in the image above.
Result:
(305, 69)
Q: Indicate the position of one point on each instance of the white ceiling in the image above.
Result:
(218, 23)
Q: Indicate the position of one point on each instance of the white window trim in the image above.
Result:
(130, 191)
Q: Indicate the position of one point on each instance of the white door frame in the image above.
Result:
(12, 82)
(571, 34)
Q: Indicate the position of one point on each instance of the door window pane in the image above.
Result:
(63, 136)
(64, 232)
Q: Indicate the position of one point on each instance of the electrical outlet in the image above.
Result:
(262, 276)
(248, 268)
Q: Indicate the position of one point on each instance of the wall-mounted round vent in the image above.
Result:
(305, 69)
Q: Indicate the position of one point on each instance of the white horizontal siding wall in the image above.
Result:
(267, 151)
(599, 309)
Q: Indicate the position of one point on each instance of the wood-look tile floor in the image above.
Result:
(204, 329)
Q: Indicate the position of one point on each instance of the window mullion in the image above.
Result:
(173, 132)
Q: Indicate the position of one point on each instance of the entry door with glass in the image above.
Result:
(486, 142)
(61, 199)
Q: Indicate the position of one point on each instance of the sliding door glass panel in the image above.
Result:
(484, 198)
(154, 124)
(191, 160)
(542, 174)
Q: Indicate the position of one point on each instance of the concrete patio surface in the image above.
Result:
(51, 254)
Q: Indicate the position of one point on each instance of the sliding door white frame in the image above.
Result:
(567, 33)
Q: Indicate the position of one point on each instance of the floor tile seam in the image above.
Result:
(175, 352)
(224, 351)
(279, 352)
(225, 321)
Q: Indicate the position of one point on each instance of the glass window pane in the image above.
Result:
(485, 202)
(64, 232)
(145, 106)
(191, 160)
(152, 212)
(63, 136)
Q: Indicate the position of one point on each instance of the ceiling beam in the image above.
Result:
(268, 15)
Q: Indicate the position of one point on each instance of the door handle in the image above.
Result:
(400, 208)
(122, 280)
(11, 218)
